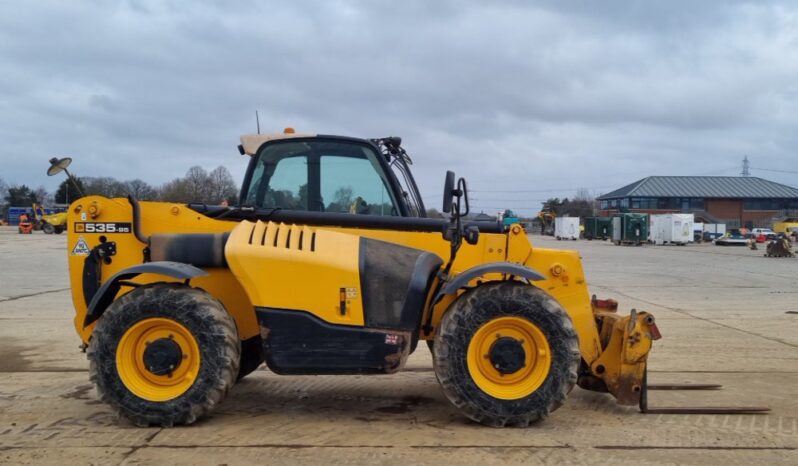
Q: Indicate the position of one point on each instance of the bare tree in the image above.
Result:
(583, 194)
(221, 186)
(140, 190)
(104, 186)
(43, 196)
(176, 190)
(3, 203)
(196, 184)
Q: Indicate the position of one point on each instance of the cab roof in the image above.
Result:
(250, 143)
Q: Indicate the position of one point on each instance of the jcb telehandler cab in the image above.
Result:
(328, 265)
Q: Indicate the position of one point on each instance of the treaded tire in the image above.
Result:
(213, 329)
(477, 307)
(48, 229)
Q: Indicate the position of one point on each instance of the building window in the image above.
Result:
(625, 203)
(605, 205)
(764, 204)
(668, 203)
(697, 203)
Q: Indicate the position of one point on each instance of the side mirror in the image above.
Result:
(448, 195)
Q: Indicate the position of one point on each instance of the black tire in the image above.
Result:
(59, 229)
(477, 307)
(48, 229)
(251, 356)
(211, 326)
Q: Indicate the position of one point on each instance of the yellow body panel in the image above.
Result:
(272, 262)
(784, 227)
(564, 281)
(157, 217)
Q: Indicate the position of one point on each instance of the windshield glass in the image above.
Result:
(322, 176)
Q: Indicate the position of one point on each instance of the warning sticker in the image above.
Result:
(81, 248)
(391, 339)
(351, 293)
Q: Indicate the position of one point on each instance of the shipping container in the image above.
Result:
(598, 228)
(671, 229)
(630, 229)
(566, 228)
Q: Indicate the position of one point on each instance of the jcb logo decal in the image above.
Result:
(97, 227)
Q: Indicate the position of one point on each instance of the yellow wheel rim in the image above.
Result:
(130, 361)
(521, 382)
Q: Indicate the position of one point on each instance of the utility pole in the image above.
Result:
(746, 171)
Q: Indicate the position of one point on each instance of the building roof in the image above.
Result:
(704, 186)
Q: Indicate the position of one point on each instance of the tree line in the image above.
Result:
(198, 185)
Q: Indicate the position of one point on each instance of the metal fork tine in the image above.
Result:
(684, 386)
(644, 408)
(708, 410)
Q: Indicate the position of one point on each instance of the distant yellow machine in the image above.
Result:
(176, 302)
(54, 223)
(787, 226)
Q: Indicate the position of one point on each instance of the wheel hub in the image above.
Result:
(162, 356)
(507, 355)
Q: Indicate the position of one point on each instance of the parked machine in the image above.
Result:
(175, 302)
(598, 228)
(779, 247)
(546, 218)
(630, 229)
(509, 218)
(25, 226)
(671, 229)
(54, 223)
(786, 225)
(566, 228)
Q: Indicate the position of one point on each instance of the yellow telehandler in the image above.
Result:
(329, 265)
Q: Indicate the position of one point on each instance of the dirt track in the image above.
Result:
(727, 315)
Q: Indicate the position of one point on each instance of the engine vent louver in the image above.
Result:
(280, 235)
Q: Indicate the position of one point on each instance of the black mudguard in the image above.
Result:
(108, 291)
(507, 268)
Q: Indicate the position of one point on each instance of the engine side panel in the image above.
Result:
(292, 267)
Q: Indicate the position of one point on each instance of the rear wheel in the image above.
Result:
(506, 354)
(164, 354)
(59, 229)
(48, 229)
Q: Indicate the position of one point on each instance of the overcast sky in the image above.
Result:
(543, 97)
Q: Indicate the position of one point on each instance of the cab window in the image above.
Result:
(352, 185)
(321, 176)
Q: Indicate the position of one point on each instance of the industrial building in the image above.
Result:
(736, 201)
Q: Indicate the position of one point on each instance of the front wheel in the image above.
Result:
(48, 229)
(164, 354)
(506, 354)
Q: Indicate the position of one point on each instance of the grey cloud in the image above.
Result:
(512, 94)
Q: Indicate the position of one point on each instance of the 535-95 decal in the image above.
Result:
(102, 227)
